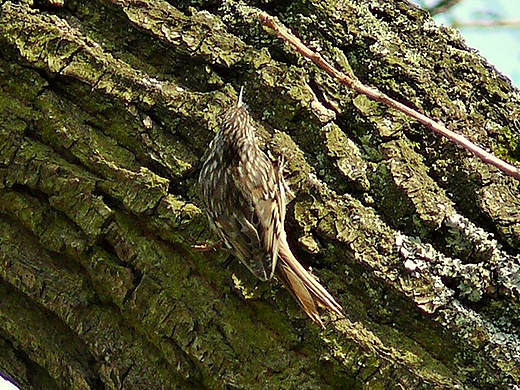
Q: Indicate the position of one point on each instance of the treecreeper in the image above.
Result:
(244, 196)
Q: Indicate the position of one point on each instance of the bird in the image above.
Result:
(244, 197)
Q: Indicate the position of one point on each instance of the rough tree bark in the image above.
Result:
(106, 109)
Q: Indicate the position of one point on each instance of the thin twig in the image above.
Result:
(375, 94)
(443, 6)
(487, 23)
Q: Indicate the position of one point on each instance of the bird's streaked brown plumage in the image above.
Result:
(244, 196)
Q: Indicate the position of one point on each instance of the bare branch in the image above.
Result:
(377, 95)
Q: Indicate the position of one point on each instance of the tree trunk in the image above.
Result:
(106, 110)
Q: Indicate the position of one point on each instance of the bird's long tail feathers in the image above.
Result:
(309, 293)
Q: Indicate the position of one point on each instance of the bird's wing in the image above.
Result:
(262, 195)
